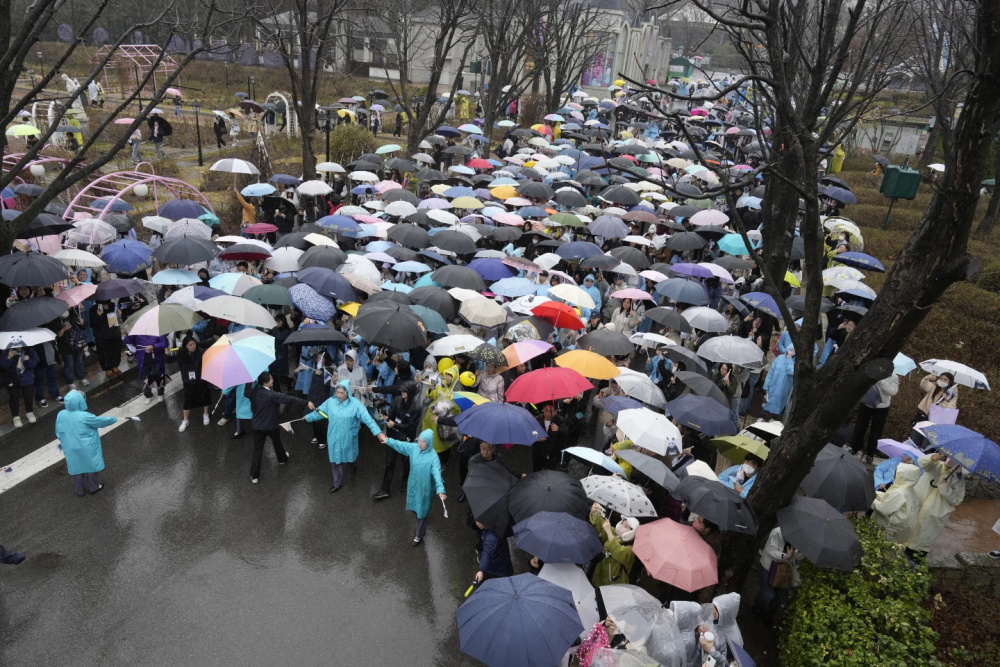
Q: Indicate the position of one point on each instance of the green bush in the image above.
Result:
(873, 616)
(347, 142)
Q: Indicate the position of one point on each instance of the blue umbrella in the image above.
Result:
(532, 212)
(763, 302)
(519, 621)
(118, 205)
(7, 193)
(176, 277)
(258, 190)
(327, 282)
(363, 190)
(842, 195)
(431, 319)
(615, 404)
(557, 537)
(380, 246)
(127, 257)
(411, 267)
(311, 304)
(433, 256)
(732, 244)
(426, 281)
(860, 260)
(448, 131)
(595, 457)
(500, 424)
(513, 287)
(704, 414)
(579, 250)
(974, 452)
(739, 654)
(285, 179)
(396, 287)
(491, 269)
(682, 290)
(181, 208)
(903, 365)
(339, 223)
(459, 191)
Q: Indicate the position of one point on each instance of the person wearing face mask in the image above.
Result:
(740, 478)
(719, 618)
(939, 491)
(616, 566)
(940, 391)
(424, 479)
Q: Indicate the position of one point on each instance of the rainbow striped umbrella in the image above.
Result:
(237, 358)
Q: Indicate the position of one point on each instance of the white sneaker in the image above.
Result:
(71, 385)
(205, 420)
(161, 398)
(222, 422)
(31, 417)
(183, 426)
(18, 423)
(149, 399)
(85, 382)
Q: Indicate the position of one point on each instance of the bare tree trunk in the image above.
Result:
(993, 209)
(930, 149)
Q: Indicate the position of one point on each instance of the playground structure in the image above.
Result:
(283, 99)
(114, 187)
(10, 161)
(129, 66)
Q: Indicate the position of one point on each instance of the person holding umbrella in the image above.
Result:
(618, 557)
(155, 368)
(219, 127)
(345, 414)
(81, 443)
(939, 390)
(425, 469)
(940, 491)
(19, 370)
(774, 584)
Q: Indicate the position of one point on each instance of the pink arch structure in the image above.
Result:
(114, 186)
(11, 159)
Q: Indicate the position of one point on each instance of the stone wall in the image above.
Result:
(969, 570)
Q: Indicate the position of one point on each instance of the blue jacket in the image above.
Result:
(494, 556)
(345, 419)
(24, 376)
(77, 432)
(885, 472)
(728, 477)
(425, 469)
(243, 408)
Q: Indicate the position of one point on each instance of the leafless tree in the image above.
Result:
(575, 33)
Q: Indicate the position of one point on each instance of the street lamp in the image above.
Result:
(196, 105)
(41, 67)
(250, 86)
(323, 120)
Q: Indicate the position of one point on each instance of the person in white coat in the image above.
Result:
(769, 599)
(940, 491)
(896, 509)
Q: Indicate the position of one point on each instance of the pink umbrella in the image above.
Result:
(675, 553)
(380, 257)
(699, 112)
(174, 91)
(367, 219)
(506, 218)
(655, 276)
(124, 121)
(632, 293)
(77, 295)
(894, 448)
(518, 201)
(385, 186)
(733, 130)
(525, 350)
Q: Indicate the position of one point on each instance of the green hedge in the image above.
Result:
(348, 142)
(873, 616)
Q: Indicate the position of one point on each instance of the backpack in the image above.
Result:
(76, 340)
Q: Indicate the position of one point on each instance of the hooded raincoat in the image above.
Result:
(938, 500)
(688, 617)
(778, 383)
(618, 558)
(357, 376)
(728, 606)
(896, 509)
(425, 473)
(345, 418)
(594, 293)
(77, 432)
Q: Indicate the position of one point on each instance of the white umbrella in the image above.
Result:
(572, 295)
(284, 260)
(937, 166)
(92, 232)
(468, 230)
(356, 265)
(640, 387)
(319, 239)
(234, 166)
(26, 338)
(650, 340)
(639, 240)
(548, 260)
(400, 209)
(484, 312)
(185, 297)
(331, 168)
(239, 239)
(573, 579)
(463, 294)
(449, 345)
(523, 305)
(718, 272)
(649, 430)
(235, 309)
(855, 285)
(841, 272)
(623, 497)
(157, 223)
(188, 227)
(706, 319)
(700, 469)
(363, 176)
(78, 258)
(964, 375)
(314, 189)
(442, 216)
(732, 350)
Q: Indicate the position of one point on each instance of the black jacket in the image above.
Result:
(265, 402)
(405, 414)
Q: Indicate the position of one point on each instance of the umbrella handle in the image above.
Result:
(217, 404)
(471, 588)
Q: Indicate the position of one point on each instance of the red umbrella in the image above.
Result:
(478, 163)
(547, 384)
(561, 315)
(675, 553)
(260, 228)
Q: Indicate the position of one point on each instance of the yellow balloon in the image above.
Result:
(468, 378)
(445, 364)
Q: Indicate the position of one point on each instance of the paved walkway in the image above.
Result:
(970, 529)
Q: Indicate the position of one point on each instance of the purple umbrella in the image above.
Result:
(691, 270)
(491, 269)
(311, 303)
(893, 448)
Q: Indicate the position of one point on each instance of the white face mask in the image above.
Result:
(748, 469)
(943, 384)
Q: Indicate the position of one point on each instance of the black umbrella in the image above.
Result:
(487, 353)
(798, 248)
(400, 195)
(606, 343)
(294, 240)
(119, 288)
(32, 313)
(602, 262)
(682, 290)
(570, 199)
(535, 190)
(704, 414)
(631, 256)
(556, 537)
(27, 189)
(832, 180)
(401, 254)
(430, 175)
(409, 235)
(436, 299)
(718, 503)
(669, 318)
(507, 234)
(322, 256)
(654, 469)
(456, 150)
(881, 160)
(619, 194)
(458, 276)
(185, 251)
(43, 225)
(686, 241)
(456, 242)
(328, 283)
(30, 269)
(547, 491)
(316, 334)
(389, 296)
(798, 302)
(841, 480)
(486, 488)
(740, 307)
(821, 533)
(398, 327)
(702, 386)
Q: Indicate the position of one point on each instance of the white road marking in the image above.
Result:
(51, 454)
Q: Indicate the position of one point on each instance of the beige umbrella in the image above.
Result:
(484, 312)
(236, 309)
(79, 258)
(572, 295)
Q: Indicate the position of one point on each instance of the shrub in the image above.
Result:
(347, 142)
(872, 616)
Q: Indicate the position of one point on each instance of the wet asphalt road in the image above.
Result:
(181, 560)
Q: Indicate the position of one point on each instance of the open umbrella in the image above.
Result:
(588, 364)
(523, 351)
(595, 457)
(237, 358)
(32, 313)
(821, 533)
(640, 387)
(964, 375)
(974, 452)
(573, 579)
(606, 343)
(30, 269)
(541, 615)
(315, 334)
(645, 623)
(239, 310)
(26, 338)
(841, 480)
(737, 447)
(311, 303)
(454, 344)
(547, 491)
(702, 386)
(704, 414)
(486, 488)
(458, 276)
(500, 423)
(614, 492)
(547, 384)
(706, 319)
(557, 537)
(649, 430)
(77, 295)
(396, 327)
(161, 319)
(676, 554)
(718, 503)
(763, 302)
(652, 468)
(192, 296)
(489, 354)
(732, 350)
(483, 312)
(682, 290)
(185, 251)
(670, 318)
(119, 288)
(234, 283)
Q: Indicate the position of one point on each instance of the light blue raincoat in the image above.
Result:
(345, 418)
(243, 408)
(77, 432)
(778, 383)
(425, 467)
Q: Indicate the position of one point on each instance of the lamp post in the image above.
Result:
(253, 86)
(196, 105)
(323, 120)
(250, 86)
(41, 67)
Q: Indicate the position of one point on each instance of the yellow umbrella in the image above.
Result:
(736, 447)
(504, 191)
(351, 308)
(343, 113)
(466, 202)
(678, 163)
(23, 130)
(791, 279)
(588, 364)
(235, 112)
(440, 188)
